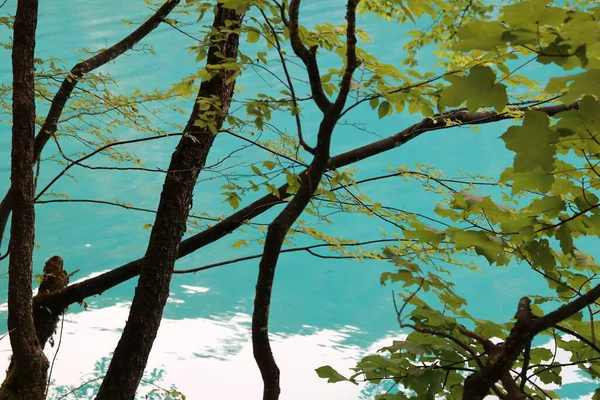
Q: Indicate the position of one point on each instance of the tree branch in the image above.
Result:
(290, 85)
(282, 223)
(295, 249)
(131, 354)
(93, 153)
(50, 125)
(96, 285)
(308, 57)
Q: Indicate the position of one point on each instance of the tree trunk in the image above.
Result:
(46, 318)
(27, 379)
(131, 354)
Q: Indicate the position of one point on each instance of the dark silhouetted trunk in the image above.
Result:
(131, 354)
(27, 379)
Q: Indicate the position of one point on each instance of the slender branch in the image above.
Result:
(117, 204)
(96, 285)
(295, 249)
(487, 344)
(59, 101)
(308, 57)
(430, 331)
(525, 367)
(290, 85)
(578, 336)
(266, 148)
(99, 150)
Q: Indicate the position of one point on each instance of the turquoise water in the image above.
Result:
(324, 311)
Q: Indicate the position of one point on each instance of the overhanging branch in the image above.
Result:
(68, 85)
(96, 285)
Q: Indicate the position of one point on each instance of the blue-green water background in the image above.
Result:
(311, 295)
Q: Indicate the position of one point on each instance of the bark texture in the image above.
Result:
(131, 354)
(46, 318)
(27, 379)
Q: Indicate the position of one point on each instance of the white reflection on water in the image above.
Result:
(204, 358)
(212, 358)
(195, 289)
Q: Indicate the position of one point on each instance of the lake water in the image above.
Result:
(325, 311)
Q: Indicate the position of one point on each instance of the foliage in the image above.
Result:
(539, 213)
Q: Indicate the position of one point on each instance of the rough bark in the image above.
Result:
(68, 85)
(46, 318)
(28, 377)
(479, 384)
(131, 354)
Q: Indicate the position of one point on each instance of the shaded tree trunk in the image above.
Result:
(27, 379)
(45, 318)
(131, 354)
(29, 331)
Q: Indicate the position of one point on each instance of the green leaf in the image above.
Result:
(485, 245)
(585, 83)
(425, 234)
(240, 6)
(259, 123)
(587, 201)
(549, 206)
(399, 345)
(541, 254)
(331, 374)
(480, 35)
(533, 143)
(253, 36)
(269, 165)
(374, 102)
(537, 180)
(533, 12)
(566, 240)
(478, 89)
(239, 243)
(549, 375)
(384, 109)
(255, 169)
